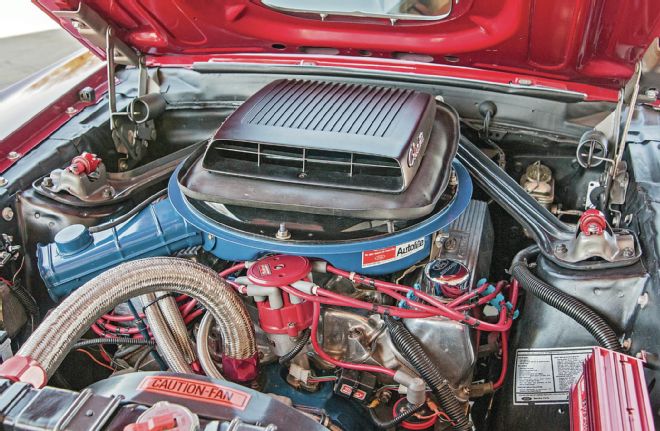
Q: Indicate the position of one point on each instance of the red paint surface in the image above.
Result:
(51, 113)
(585, 41)
(196, 390)
(611, 394)
(588, 47)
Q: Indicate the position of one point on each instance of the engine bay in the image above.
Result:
(250, 251)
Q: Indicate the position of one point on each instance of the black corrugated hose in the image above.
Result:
(300, 343)
(412, 350)
(572, 307)
(405, 414)
(25, 298)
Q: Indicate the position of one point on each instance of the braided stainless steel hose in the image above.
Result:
(205, 360)
(168, 344)
(177, 327)
(52, 340)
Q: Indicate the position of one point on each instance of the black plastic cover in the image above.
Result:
(425, 182)
(326, 133)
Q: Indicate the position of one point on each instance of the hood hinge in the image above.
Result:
(133, 129)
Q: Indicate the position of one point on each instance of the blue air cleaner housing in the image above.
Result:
(377, 256)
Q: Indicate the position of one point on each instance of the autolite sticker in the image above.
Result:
(391, 254)
(195, 390)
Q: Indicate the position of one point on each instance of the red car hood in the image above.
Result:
(594, 42)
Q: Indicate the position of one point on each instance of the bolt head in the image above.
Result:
(3, 181)
(651, 93)
(7, 214)
(561, 249)
(628, 252)
(13, 155)
(283, 232)
(450, 243)
(627, 344)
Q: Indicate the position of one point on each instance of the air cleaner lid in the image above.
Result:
(319, 178)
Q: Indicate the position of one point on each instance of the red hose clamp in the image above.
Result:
(24, 369)
(240, 370)
(84, 164)
(592, 222)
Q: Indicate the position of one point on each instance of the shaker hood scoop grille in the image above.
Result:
(318, 167)
(358, 151)
(326, 134)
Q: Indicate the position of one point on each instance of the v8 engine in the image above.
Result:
(329, 255)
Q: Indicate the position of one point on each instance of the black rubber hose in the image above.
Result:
(123, 341)
(405, 414)
(567, 304)
(300, 343)
(27, 301)
(412, 350)
(122, 218)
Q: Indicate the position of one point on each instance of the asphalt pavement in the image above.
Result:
(21, 56)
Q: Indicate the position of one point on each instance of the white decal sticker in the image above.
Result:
(545, 376)
(391, 254)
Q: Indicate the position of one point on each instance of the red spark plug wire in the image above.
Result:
(513, 298)
(350, 365)
(441, 308)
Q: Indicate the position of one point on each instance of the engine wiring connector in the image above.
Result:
(498, 299)
(411, 296)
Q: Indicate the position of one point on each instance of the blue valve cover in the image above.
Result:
(77, 256)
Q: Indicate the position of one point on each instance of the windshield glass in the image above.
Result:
(394, 9)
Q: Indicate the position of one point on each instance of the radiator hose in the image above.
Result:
(567, 304)
(52, 340)
(412, 350)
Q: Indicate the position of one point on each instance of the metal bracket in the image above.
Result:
(94, 28)
(106, 188)
(616, 167)
(557, 241)
(131, 137)
(93, 187)
(618, 189)
(613, 246)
